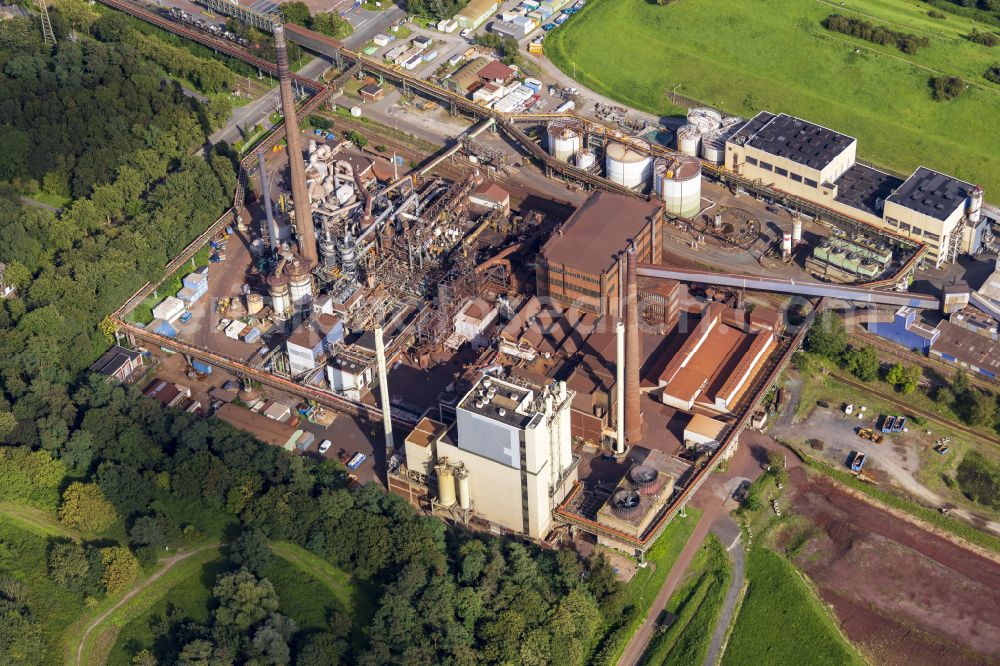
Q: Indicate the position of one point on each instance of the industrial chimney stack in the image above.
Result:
(300, 195)
(633, 357)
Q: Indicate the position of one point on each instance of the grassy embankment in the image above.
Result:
(644, 586)
(782, 621)
(746, 56)
(697, 604)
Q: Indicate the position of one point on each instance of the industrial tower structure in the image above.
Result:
(304, 229)
(633, 352)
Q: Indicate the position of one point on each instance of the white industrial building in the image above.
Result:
(508, 460)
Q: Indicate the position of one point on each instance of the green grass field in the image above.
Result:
(781, 620)
(748, 55)
(697, 604)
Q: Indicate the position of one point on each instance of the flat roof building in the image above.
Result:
(819, 164)
(117, 363)
(475, 13)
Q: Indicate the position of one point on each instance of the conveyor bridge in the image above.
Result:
(858, 294)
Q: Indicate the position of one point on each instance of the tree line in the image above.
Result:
(877, 34)
(329, 23)
(828, 338)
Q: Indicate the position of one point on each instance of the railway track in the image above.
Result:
(907, 356)
(908, 408)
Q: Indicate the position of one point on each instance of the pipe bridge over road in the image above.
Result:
(798, 287)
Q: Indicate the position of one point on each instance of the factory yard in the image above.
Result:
(900, 593)
(906, 461)
(732, 55)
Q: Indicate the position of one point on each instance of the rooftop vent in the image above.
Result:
(626, 503)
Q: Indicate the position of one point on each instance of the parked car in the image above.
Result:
(549, 26)
(325, 446)
(465, 33)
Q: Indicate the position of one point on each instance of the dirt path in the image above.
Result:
(729, 604)
(168, 564)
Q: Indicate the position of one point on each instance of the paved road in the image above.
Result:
(738, 561)
(715, 501)
(259, 110)
(168, 564)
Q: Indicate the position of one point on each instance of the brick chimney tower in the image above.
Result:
(633, 352)
(300, 194)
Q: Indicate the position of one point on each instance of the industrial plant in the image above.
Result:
(530, 366)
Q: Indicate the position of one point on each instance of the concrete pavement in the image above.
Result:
(723, 528)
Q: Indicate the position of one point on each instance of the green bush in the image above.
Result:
(979, 480)
(30, 477)
(944, 88)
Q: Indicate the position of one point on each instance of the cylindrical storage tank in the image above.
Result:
(446, 484)
(688, 140)
(713, 146)
(705, 118)
(585, 159)
(796, 230)
(786, 244)
(464, 488)
(299, 282)
(564, 139)
(255, 303)
(680, 186)
(628, 166)
(281, 301)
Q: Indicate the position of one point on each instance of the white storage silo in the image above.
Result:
(705, 118)
(626, 165)
(975, 204)
(678, 182)
(281, 302)
(446, 484)
(786, 245)
(299, 282)
(796, 230)
(713, 146)
(564, 139)
(585, 159)
(255, 303)
(464, 489)
(688, 140)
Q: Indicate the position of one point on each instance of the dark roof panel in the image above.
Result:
(866, 189)
(932, 193)
(794, 139)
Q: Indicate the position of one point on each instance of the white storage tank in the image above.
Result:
(585, 159)
(627, 165)
(705, 118)
(796, 230)
(688, 140)
(677, 180)
(281, 302)
(464, 489)
(299, 282)
(713, 146)
(446, 484)
(564, 139)
(255, 303)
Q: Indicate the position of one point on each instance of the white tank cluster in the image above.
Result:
(627, 164)
(677, 180)
(706, 133)
(564, 138)
(330, 180)
(975, 204)
(454, 486)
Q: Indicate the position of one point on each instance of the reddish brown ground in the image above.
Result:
(902, 594)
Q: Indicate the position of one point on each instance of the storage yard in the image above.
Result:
(721, 54)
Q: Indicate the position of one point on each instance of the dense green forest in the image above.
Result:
(119, 479)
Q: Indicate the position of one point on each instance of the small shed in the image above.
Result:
(372, 92)
(703, 432)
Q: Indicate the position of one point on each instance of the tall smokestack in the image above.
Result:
(633, 358)
(300, 194)
(620, 386)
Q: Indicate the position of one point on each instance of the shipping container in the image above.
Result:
(566, 107)
(169, 309)
(234, 329)
(534, 84)
(201, 366)
(251, 336)
(430, 57)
